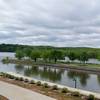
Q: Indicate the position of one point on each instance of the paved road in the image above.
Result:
(13, 92)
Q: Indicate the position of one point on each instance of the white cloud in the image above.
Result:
(50, 22)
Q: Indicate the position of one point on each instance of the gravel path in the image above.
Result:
(13, 92)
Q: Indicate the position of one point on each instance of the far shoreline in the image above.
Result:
(75, 67)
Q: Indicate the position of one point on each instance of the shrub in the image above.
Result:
(16, 78)
(45, 85)
(38, 83)
(64, 90)
(7, 75)
(11, 76)
(5, 60)
(32, 82)
(26, 80)
(1, 73)
(77, 94)
(21, 79)
(54, 87)
(91, 97)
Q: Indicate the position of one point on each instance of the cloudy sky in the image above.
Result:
(50, 22)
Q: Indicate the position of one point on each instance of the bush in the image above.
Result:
(4, 74)
(91, 97)
(77, 94)
(1, 74)
(38, 83)
(5, 60)
(16, 78)
(64, 90)
(21, 79)
(11, 76)
(7, 75)
(45, 85)
(54, 87)
(26, 80)
(32, 82)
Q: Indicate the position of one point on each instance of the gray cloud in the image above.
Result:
(50, 22)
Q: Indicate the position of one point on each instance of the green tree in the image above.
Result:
(27, 52)
(19, 54)
(92, 54)
(34, 55)
(56, 54)
(46, 55)
(84, 57)
(72, 56)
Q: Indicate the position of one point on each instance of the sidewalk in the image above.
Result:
(13, 92)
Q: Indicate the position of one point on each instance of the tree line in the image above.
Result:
(54, 55)
(49, 53)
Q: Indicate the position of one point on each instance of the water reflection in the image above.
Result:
(98, 78)
(31, 71)
(81, 76)
(86, 81)
(19, 68)
(45, 73)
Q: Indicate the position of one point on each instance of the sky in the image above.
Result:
(61, 23)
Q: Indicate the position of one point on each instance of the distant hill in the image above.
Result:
(14, 47)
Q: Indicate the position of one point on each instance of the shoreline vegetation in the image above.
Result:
(45, 88)
(54, 56)
(49, 53)
(94, 68)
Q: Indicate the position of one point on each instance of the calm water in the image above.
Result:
(85, 81)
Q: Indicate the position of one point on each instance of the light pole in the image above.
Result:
(75, 80)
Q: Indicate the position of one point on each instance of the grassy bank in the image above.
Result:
(85, 65)
(78, 66)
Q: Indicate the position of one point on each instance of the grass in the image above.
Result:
(85, 65)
